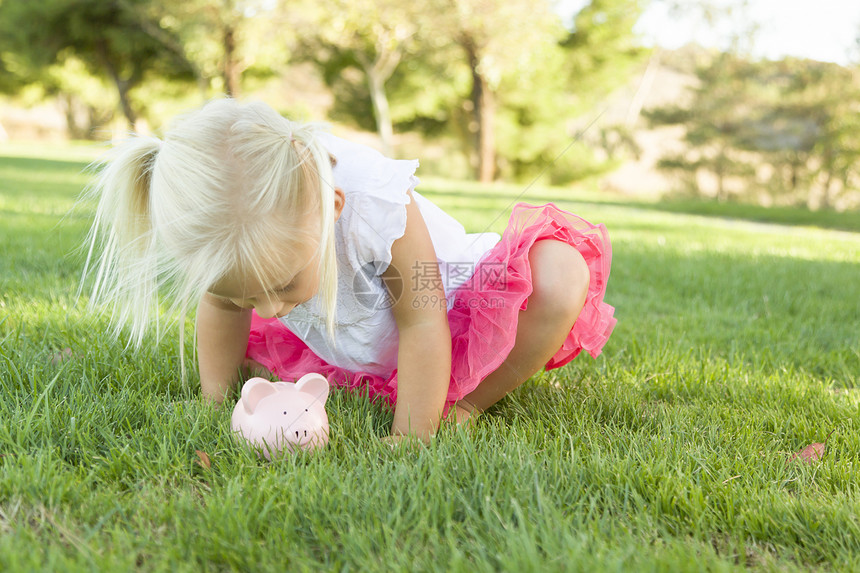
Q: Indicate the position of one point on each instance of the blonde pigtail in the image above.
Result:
(121, 258)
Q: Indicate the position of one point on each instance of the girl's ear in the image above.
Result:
(255, 390)
(314, 384)
(339, 202)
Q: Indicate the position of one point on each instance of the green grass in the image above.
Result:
(737, 344)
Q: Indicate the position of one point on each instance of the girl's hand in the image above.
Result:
(424, 352)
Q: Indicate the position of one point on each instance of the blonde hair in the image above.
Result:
(231, 187)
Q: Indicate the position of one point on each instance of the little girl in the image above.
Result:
(304, 252)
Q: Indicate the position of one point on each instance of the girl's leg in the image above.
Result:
(560, 284)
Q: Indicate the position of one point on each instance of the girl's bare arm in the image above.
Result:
(222, 339)
(424, 354)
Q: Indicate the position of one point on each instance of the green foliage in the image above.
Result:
(601, 49)
(369, 38)
(428, 91)
(818, 111)
(787, 128)
(389, 65)
(108, 37)
(541, 76)
(223, 41)
(736, 346)
(557, 78)
(89, 101)
(533, 96)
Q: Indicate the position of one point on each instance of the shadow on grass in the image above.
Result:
(40, 165)
(789, 216)
(30, 179)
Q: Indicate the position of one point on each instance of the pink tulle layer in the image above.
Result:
(483, 319)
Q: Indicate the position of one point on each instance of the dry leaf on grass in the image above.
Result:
(813, 452)
(203, 459)
(810, 454)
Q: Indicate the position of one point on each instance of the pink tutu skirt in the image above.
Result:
(483, 318)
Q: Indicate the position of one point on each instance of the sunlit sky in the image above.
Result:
(824, 30)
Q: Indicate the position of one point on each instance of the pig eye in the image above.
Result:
(285, 412)
(306, 409)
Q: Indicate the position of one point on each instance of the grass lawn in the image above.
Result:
(737, 344)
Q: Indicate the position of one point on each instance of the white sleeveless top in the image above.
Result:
(373, 217)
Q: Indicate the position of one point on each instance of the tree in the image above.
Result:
(371, 36)
(106, 35)
(814, 119)
(715, 122)
(601, 48)
(499, 39)
(789, 128)
(496, 74)
(220, 39)
(531, 77)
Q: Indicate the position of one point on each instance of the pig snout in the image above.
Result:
(304, 429)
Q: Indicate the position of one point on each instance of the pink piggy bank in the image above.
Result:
(278, 416)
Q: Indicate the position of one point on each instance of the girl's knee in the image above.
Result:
(560, 279)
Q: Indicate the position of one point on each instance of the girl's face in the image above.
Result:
(298, 283)
(297, 276)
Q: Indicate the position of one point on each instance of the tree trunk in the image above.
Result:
(232, 68)
(125, 102)
(827, 191)
(69, 106)
(123, 86)
(484, 105)
(486, 133)
(381, 111)
(719, 171)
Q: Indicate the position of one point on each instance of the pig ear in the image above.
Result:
(254, 390)
(314, 384)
